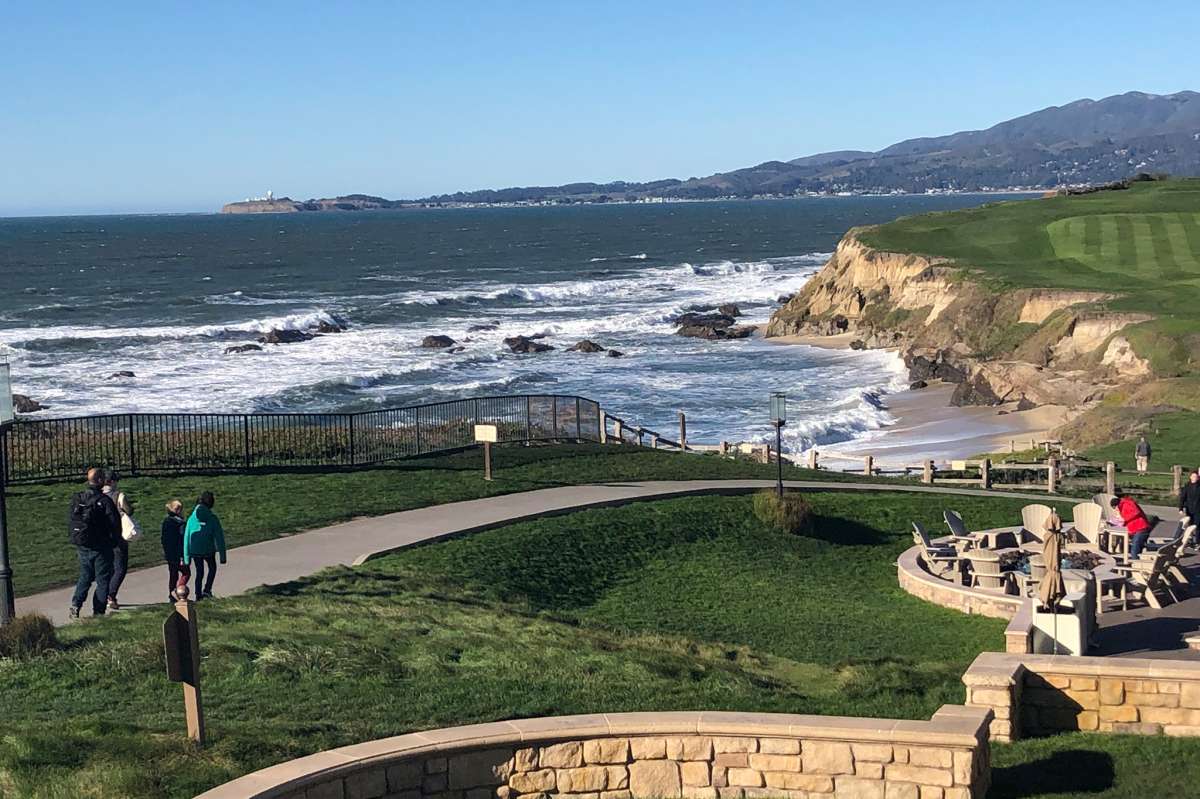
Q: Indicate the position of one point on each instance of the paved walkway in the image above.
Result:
(351, 543)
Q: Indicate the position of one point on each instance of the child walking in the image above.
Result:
(172, 547)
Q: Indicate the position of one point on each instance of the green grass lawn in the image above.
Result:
(257, 507)
(676, 604)
(1142, 243)
(1093, 766)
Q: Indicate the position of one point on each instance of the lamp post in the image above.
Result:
(779, 419)
(7, 604)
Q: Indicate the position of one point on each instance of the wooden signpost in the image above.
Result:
(181, 639)
(487, 434)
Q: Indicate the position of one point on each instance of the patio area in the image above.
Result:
(1113, 605)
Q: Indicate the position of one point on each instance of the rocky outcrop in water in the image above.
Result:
(278, 336)
(26, 404)
(437, 342)
(239, 348)
(526, 344)
(123, 374)
(712, 326)
(586, 346)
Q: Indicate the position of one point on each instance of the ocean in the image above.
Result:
(84, 298)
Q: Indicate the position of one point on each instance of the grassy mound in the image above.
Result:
(679, 604)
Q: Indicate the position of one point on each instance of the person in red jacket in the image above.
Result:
(1135, 521)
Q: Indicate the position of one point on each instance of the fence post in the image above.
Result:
(868, 465)
(641, 433)
(812, 460)
(1176, 478)
(350, 418)
(927, 474)
(528, 421)
(654, 441)
(1051, 474)
(132, 448)
(765, 453)
(417, 429)
(578, 423)
(619, 429)
(724, 449)
(1110, 478)
(985, 473)
(246, 439)
(603, 426)
(682, 432)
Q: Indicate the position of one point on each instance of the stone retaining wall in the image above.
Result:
(916, 580)
(1033, 695)
(651, 756)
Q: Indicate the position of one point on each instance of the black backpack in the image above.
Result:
(87, 525)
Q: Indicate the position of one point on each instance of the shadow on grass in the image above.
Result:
(835, 530)
(1072, 771)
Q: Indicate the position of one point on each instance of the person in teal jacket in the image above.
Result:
(203, 540)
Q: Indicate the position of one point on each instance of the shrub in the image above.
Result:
(790, 513)
(27, 636)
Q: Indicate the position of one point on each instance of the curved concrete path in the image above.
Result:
(351, 543)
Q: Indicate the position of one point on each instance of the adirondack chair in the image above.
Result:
(959, 532)
(1174, 575)
(1033, 519)
(938, 559)
(1087, 524)
(986, 572)
(1144, 576)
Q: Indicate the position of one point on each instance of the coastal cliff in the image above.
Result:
(1025, 346)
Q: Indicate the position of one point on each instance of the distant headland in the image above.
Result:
(1082, 143)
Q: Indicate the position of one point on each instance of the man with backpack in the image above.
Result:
(94, 527)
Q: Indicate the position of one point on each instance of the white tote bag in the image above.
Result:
(130, 529)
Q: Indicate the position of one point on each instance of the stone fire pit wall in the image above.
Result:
(1031, 695)
(651, 756)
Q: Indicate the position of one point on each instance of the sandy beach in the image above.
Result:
(928, 427)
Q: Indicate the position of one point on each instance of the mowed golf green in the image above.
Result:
(1148, 246)
(1141, 244)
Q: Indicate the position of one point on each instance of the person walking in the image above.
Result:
(172, 547)
(203, 540)
(130, 530)
(1141, 454)
(93, 527)
(1135, 521)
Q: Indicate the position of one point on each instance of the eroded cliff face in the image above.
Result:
(1025, 346)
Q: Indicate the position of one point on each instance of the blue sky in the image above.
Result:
(180, 107)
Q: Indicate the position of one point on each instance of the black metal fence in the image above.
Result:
(164, 443)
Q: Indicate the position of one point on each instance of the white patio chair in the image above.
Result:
(959, 532)
(1087, 522)
(986, 572)
(938, 559)
(1033, 519)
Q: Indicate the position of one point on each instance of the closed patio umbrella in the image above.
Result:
(1052, 590)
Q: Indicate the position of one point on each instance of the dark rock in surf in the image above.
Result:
(121, 374)
(729, 309)
(483, 326)
(917, 385)
(330, 327)
(616, 354)
(525, 344)
(437, 342)
(858, 344)
(25, 404)
(234, 350)
(277, 336)
(586, 346)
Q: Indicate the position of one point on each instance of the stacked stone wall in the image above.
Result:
(945, 758)
(1036, 695)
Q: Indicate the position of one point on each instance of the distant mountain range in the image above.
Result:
(1087, 141)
